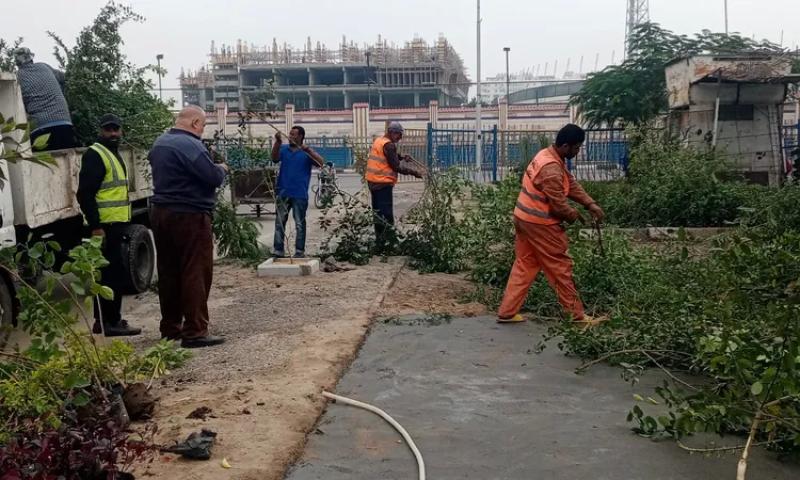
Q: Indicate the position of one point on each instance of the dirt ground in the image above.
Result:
(287, 340)
(430, 293)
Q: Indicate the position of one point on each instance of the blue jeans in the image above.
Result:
(298, 206)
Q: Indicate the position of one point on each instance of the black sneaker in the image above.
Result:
(200, 342)
(121, 329)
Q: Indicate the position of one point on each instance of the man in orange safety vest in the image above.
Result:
(541, 242)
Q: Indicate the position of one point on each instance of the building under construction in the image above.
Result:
(248, 77)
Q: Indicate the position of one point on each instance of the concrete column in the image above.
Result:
(380, 100)
(312, 103)
(288, 113)
(502, 113)
(312, 77)
(348, 103)
(361, 120)
(344, 75)
(433, 112)
(222, 110)
(416, 99)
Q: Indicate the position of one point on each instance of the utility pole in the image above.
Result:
(478, 119)
(726, 15)
(158, 60)
(508, 78)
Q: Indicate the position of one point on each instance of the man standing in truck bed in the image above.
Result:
(103, 196)
(43, 96)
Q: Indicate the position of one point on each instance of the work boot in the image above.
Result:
(589, 321)
(121, 329)
(515, 319)
(200, 342)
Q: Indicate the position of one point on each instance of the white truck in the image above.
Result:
(40, 202)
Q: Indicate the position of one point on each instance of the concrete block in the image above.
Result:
(288, 267)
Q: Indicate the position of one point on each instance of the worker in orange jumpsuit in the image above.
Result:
(541, 241)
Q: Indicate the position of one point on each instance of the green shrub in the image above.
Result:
(671, 185)
(434, 237)
(237, 237)
(349, 231)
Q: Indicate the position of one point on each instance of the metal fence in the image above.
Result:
(604, 155)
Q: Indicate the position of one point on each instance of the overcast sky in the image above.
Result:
(536, 31)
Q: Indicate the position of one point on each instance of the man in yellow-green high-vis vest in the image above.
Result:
(103, 196)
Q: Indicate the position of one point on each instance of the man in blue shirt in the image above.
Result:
(292, 188)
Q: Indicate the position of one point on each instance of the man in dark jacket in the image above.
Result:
(103, 196)
(43, 96)
(185, 180)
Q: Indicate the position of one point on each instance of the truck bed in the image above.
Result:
(45, 195)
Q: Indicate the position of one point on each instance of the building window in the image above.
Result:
(733, 113)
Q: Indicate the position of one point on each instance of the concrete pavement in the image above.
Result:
(481, 405)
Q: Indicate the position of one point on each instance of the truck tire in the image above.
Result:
(138, 260)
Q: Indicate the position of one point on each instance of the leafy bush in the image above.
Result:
(434, 236)
(349, 230)
(59, 397)
(237, 237)
(671, 185)
(245, 157)
(91, 443)
(100, 79)
(490, 227)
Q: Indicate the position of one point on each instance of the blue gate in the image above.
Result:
(333, 149)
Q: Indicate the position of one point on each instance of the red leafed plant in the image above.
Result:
(91, 443)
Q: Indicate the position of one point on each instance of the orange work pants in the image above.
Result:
(540, 247)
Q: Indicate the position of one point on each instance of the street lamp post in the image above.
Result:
(369, 84)
(159, 57)
(508, 79)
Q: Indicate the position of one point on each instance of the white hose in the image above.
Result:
(392, 422)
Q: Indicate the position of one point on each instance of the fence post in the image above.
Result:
(430, 146)
(494, 154)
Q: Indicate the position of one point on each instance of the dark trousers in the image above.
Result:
(61, 136)
(185, 251)
(111, 310)
(298, 206)
(383, 207)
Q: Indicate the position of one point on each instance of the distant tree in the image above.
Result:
(100, 80)
(635, 91)
(7, 55)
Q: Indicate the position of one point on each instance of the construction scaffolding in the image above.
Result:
(314, 76)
